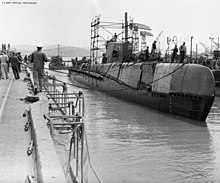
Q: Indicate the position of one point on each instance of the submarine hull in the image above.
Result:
(189, 105)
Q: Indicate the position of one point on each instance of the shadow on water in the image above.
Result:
(120, 108)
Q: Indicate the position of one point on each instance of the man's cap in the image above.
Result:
(39, 45)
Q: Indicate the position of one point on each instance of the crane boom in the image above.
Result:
(158, 37)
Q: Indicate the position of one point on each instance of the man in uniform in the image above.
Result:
(38, 59)
(14, 65)
(4, 65)
(153, 49)
(174, 54)
(182, 52)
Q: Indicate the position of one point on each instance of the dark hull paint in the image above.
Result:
(216, 74)
(58, 68)
(217, 91)
(193, 107)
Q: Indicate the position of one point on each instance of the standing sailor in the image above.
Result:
(38, 59)
(147, 53)
(14, 65)
(4, 65)
(153, 49)
(174, 54)
(20, 60)
(182, 52)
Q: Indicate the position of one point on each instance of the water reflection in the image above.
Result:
(129, 139)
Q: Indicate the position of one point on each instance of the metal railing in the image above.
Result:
(66, 116)
(70, 106)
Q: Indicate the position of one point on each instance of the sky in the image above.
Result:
(67, 22)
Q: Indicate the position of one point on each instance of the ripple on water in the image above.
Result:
(130, 143)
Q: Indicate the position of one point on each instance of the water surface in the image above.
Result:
(131, 143)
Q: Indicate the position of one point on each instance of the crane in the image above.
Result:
(158, 37)
(216, 44)
(205, 47)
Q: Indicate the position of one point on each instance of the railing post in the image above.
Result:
(65, 96)
(70, 151)
(83, 109)
(80, 107)
(54, 87)
(59, 99)
(71, 104)
(73, 109)
(74, 147)
(46, 80)
(82, 151)
(77, 151)
(52, 129)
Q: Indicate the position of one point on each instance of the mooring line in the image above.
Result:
(4, 101)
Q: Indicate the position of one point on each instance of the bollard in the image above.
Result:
(25, 113)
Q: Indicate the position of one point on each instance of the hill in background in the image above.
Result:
(65, 51)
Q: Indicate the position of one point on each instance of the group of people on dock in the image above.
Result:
(8, 58)
(14, 59)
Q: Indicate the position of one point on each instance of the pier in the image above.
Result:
(13, 142)
(32, 128)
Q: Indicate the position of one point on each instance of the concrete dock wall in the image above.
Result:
(48, 167)
(43, 165)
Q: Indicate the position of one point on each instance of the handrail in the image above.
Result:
(71, 121)
(71, 105)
